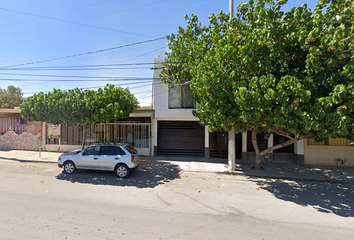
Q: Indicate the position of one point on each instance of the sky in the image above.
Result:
(64, 44)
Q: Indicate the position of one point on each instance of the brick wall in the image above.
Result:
(25, 141)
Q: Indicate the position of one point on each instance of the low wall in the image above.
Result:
(274, 157)
(328, 155)
(24, 141)
(62, 148)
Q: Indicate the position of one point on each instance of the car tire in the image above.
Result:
(122, 170)
(69, 167)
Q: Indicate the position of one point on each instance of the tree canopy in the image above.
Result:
(269, 71)
(10, 97)
(79, 107)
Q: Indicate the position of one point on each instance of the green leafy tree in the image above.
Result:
(10, 97)
(79, 107)
(270, 72)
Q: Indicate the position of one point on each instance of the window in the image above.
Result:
(94, 150)
(109, 150)
(120, 151)
(131, 149)
(180, 97)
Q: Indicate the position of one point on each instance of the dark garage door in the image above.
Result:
(180, 138)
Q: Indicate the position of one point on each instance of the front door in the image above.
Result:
(219, 144)
(110, 155)
(89, 158)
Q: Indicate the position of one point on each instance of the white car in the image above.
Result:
(120, 158)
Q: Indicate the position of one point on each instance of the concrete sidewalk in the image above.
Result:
(194, 164)
(30, 156)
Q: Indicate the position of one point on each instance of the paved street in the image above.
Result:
(39, 201)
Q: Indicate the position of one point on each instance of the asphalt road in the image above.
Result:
(38, 201)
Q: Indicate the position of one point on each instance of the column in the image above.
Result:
(299, 151)
(155, 137)
(206, 142)
(232, 150)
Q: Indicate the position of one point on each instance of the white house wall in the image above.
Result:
(163, 113)
(161, 99)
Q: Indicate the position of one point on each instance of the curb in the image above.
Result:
(284, 177)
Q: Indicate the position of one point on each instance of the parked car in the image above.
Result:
(120, 158)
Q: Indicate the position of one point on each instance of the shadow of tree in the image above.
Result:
(325, 197)
(148, 175)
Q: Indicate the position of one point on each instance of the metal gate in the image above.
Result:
(139, 136)
(180, 138)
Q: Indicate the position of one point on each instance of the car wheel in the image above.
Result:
(69, 167)
(122, 171)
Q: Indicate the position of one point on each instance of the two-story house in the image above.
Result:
(177, 131)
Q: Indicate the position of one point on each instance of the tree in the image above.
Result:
(80, 107)
(11, 97)
(270, 72)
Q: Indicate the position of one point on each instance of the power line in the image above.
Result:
(83, 66)
(63, 76)
(123, 84)
(72, 69)
(47, 16)
(86, 25)
(81, 54)
(72, 80)
(32, 10)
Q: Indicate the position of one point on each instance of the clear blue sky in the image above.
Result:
(40, 30)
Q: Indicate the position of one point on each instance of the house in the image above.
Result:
(17, 133)
(177, 132)
(332, 152)
(68, 138)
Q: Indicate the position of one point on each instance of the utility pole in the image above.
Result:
(232, 145)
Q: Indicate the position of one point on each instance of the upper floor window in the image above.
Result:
(180, 97)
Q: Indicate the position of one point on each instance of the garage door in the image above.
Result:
(180, 138)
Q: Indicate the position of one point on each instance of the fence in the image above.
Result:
(107, 132)
(17, 133)
(331, 142)
(19, 125)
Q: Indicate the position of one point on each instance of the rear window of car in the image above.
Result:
(131, 149)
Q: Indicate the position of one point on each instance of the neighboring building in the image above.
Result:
(138, 126)
(177, 131)
(17, 133)
(333, 152)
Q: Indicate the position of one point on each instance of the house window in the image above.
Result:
(330, 142)
(180, 97)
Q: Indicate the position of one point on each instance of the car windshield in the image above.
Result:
(131, 149)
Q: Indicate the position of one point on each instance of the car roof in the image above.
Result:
(109, 144)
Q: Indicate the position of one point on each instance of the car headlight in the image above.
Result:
(59, 158)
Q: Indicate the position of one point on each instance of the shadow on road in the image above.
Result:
(324, 197)
(148, 175)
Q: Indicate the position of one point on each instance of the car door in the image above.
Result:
(88, 159)
(109, 157)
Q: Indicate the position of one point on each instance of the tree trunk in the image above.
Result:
(257, 164)
(259, 154)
